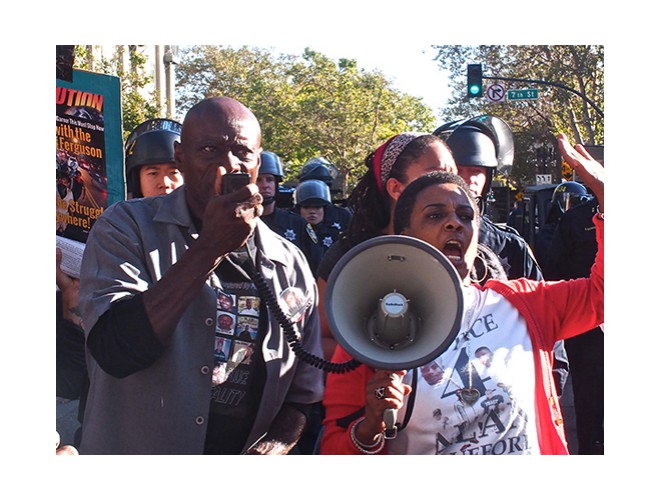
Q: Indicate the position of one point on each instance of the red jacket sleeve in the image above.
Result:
(344, 403)
(561, 309)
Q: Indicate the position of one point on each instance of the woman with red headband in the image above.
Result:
(390, 168)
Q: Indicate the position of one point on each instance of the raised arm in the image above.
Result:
(590, 171)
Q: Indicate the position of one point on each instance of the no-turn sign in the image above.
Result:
(496, 93)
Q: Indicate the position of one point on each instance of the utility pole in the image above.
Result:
(170, 61)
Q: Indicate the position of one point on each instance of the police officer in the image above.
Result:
(318, 168)
(311, 199)
(566, 195)
(482, 146)
(287, 224)
(150, 166)
(572, 245)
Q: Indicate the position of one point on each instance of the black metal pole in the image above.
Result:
(554, 84)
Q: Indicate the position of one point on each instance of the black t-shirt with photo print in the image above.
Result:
(239, 372)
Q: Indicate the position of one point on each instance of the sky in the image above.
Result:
(409, 66)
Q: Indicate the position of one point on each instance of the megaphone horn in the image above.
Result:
(394, 302)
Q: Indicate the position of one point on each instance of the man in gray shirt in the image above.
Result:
(151, 277)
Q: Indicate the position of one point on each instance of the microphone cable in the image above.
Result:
(288, 327)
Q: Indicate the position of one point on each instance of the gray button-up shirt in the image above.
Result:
(163, 408)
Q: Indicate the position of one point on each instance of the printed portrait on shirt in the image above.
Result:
(248, 305)
(226, 301)
(221, 350)
(246, 328)
(226, 323)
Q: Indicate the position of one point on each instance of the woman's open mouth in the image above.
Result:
(453, 250)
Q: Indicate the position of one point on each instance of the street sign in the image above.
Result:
(496, 93)
(522, 94)
(543, 179)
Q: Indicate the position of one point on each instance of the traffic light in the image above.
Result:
(474, 80)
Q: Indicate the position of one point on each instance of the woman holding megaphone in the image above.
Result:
(491, 391)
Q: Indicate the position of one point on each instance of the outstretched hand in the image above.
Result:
(590, 171)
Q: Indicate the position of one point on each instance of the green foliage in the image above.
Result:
(307, 105)
(535, 123)
(137, 105)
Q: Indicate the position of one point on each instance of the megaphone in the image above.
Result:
(394, 302)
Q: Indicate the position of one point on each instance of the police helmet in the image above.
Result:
(151, 147)
(154, 124)
(483, 141)
(316, 168)
(569, 194)
(271, 164)
(312, 192)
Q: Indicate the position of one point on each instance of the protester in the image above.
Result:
(503, 403)
(390, 168)
(70, 367)
(150, 164)
(482, 146)
(151, 276)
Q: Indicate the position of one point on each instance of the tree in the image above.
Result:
(307, 105)
(136, 106)
(535, 123)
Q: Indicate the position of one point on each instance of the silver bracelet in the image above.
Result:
(366, 449)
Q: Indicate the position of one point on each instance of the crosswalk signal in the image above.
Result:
(474, 80)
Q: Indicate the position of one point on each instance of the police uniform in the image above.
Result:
(337, 217)
(295, 229)
(513, 251)
(572, 251)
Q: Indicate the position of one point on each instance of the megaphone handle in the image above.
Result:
(389, 417)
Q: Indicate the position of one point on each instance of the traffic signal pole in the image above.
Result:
(553, 84)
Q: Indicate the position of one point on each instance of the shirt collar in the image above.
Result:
(174, 210)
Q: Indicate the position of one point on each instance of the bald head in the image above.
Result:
(234, 112)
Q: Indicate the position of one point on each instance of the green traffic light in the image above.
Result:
(474, 80)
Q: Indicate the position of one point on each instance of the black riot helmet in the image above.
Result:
(569, 194)
(151, 143)
(271, 164)
(316, 168)
(482, 141)
(312, 192)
